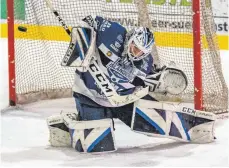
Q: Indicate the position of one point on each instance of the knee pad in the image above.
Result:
(58, 132)
(175, 121)
(92, 136)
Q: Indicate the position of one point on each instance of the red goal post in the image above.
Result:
(11, 52)
(184, 33)
(198, 87)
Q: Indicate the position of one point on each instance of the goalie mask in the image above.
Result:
(139, 43)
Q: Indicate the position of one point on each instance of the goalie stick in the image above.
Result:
(101, 79)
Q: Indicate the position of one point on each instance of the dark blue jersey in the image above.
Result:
(111, 35)
(123, 73)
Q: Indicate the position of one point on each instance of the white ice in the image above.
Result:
(25, 143)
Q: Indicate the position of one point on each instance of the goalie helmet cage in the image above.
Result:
(184, 33)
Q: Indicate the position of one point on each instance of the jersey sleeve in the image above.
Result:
(145, 65)
(110, 37)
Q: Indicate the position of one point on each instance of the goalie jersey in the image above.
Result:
(123, 73)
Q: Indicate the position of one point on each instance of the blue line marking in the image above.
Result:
(99, 139)
(161, 131)
(182, 123)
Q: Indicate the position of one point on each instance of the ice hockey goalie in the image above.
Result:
(109, 59)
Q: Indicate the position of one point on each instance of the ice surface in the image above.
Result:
(24, 142)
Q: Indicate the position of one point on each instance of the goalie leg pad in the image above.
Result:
(58, 132)
(92, 136)
(194, 126)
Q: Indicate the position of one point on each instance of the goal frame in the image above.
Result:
(198, 90)
(11, 53)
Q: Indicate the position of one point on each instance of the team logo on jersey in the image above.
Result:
(109, 53)
(120, 73)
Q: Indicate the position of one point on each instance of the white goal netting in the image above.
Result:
(40, 49)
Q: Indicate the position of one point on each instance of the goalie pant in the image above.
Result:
(92, 129)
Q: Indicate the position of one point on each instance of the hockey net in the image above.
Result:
(40, 44)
